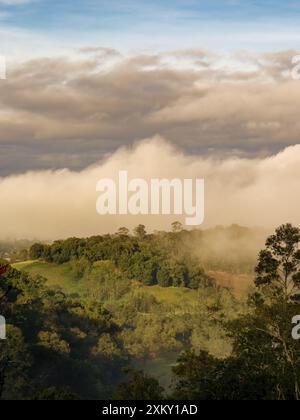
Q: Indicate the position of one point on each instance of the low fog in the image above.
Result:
(49, 205)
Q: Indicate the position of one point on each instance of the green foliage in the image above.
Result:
(80, 268)
(140, 232)
(177, 227)
(123, 231)
(55, 394)
(265, 360)
(90, 307)
(139, 387)
(145, 258)
(279, 263)
(37, 251)
(52, 340)
(14, 361)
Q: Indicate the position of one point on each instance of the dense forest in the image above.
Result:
(144, 316)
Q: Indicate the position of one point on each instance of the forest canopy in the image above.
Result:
(140, 316)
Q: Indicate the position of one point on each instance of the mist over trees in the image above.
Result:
(119, 303)
(265, 359)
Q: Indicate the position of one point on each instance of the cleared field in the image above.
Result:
(60, 276)
(239, 284)
(171, 295)
(63, 276)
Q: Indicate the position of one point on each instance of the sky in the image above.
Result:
(90, 81)
(155, 24)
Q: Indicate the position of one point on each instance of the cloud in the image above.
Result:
(69, 112)
(53, 204)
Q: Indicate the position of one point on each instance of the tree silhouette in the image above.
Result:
(279, 263)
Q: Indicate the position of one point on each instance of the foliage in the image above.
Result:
(139, 387)
(52, 340)
(265, 359)
(89, 308)
(142, 257)
(279, 263)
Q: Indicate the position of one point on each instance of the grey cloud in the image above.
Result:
(57, 113)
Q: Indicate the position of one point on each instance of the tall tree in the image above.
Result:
(140, 232)
(279, 263)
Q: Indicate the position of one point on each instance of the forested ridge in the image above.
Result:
(140, 316)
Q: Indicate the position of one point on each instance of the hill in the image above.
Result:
(156, 323)
(63, 277)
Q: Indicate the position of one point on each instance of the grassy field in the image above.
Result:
(60, 276)
(170, 295)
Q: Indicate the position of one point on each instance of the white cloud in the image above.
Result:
(52, 204)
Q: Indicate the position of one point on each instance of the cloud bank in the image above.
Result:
(67, 112)
(57, 204)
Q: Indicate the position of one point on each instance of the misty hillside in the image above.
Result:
(107, 312)
(227, 256)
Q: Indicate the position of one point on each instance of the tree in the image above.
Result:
(197, 278)
(80, 267)
(265, 359)
(55, 394)
(106, 347)
(262, 341)
(279, 263)
(177, 227)
(140, 232)
(201, 376)
(123, 231)
(14, 362)
(195, 374)
(164, 276)
(51, 340)
(6, 289)
(139, 387)
(36, 251)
